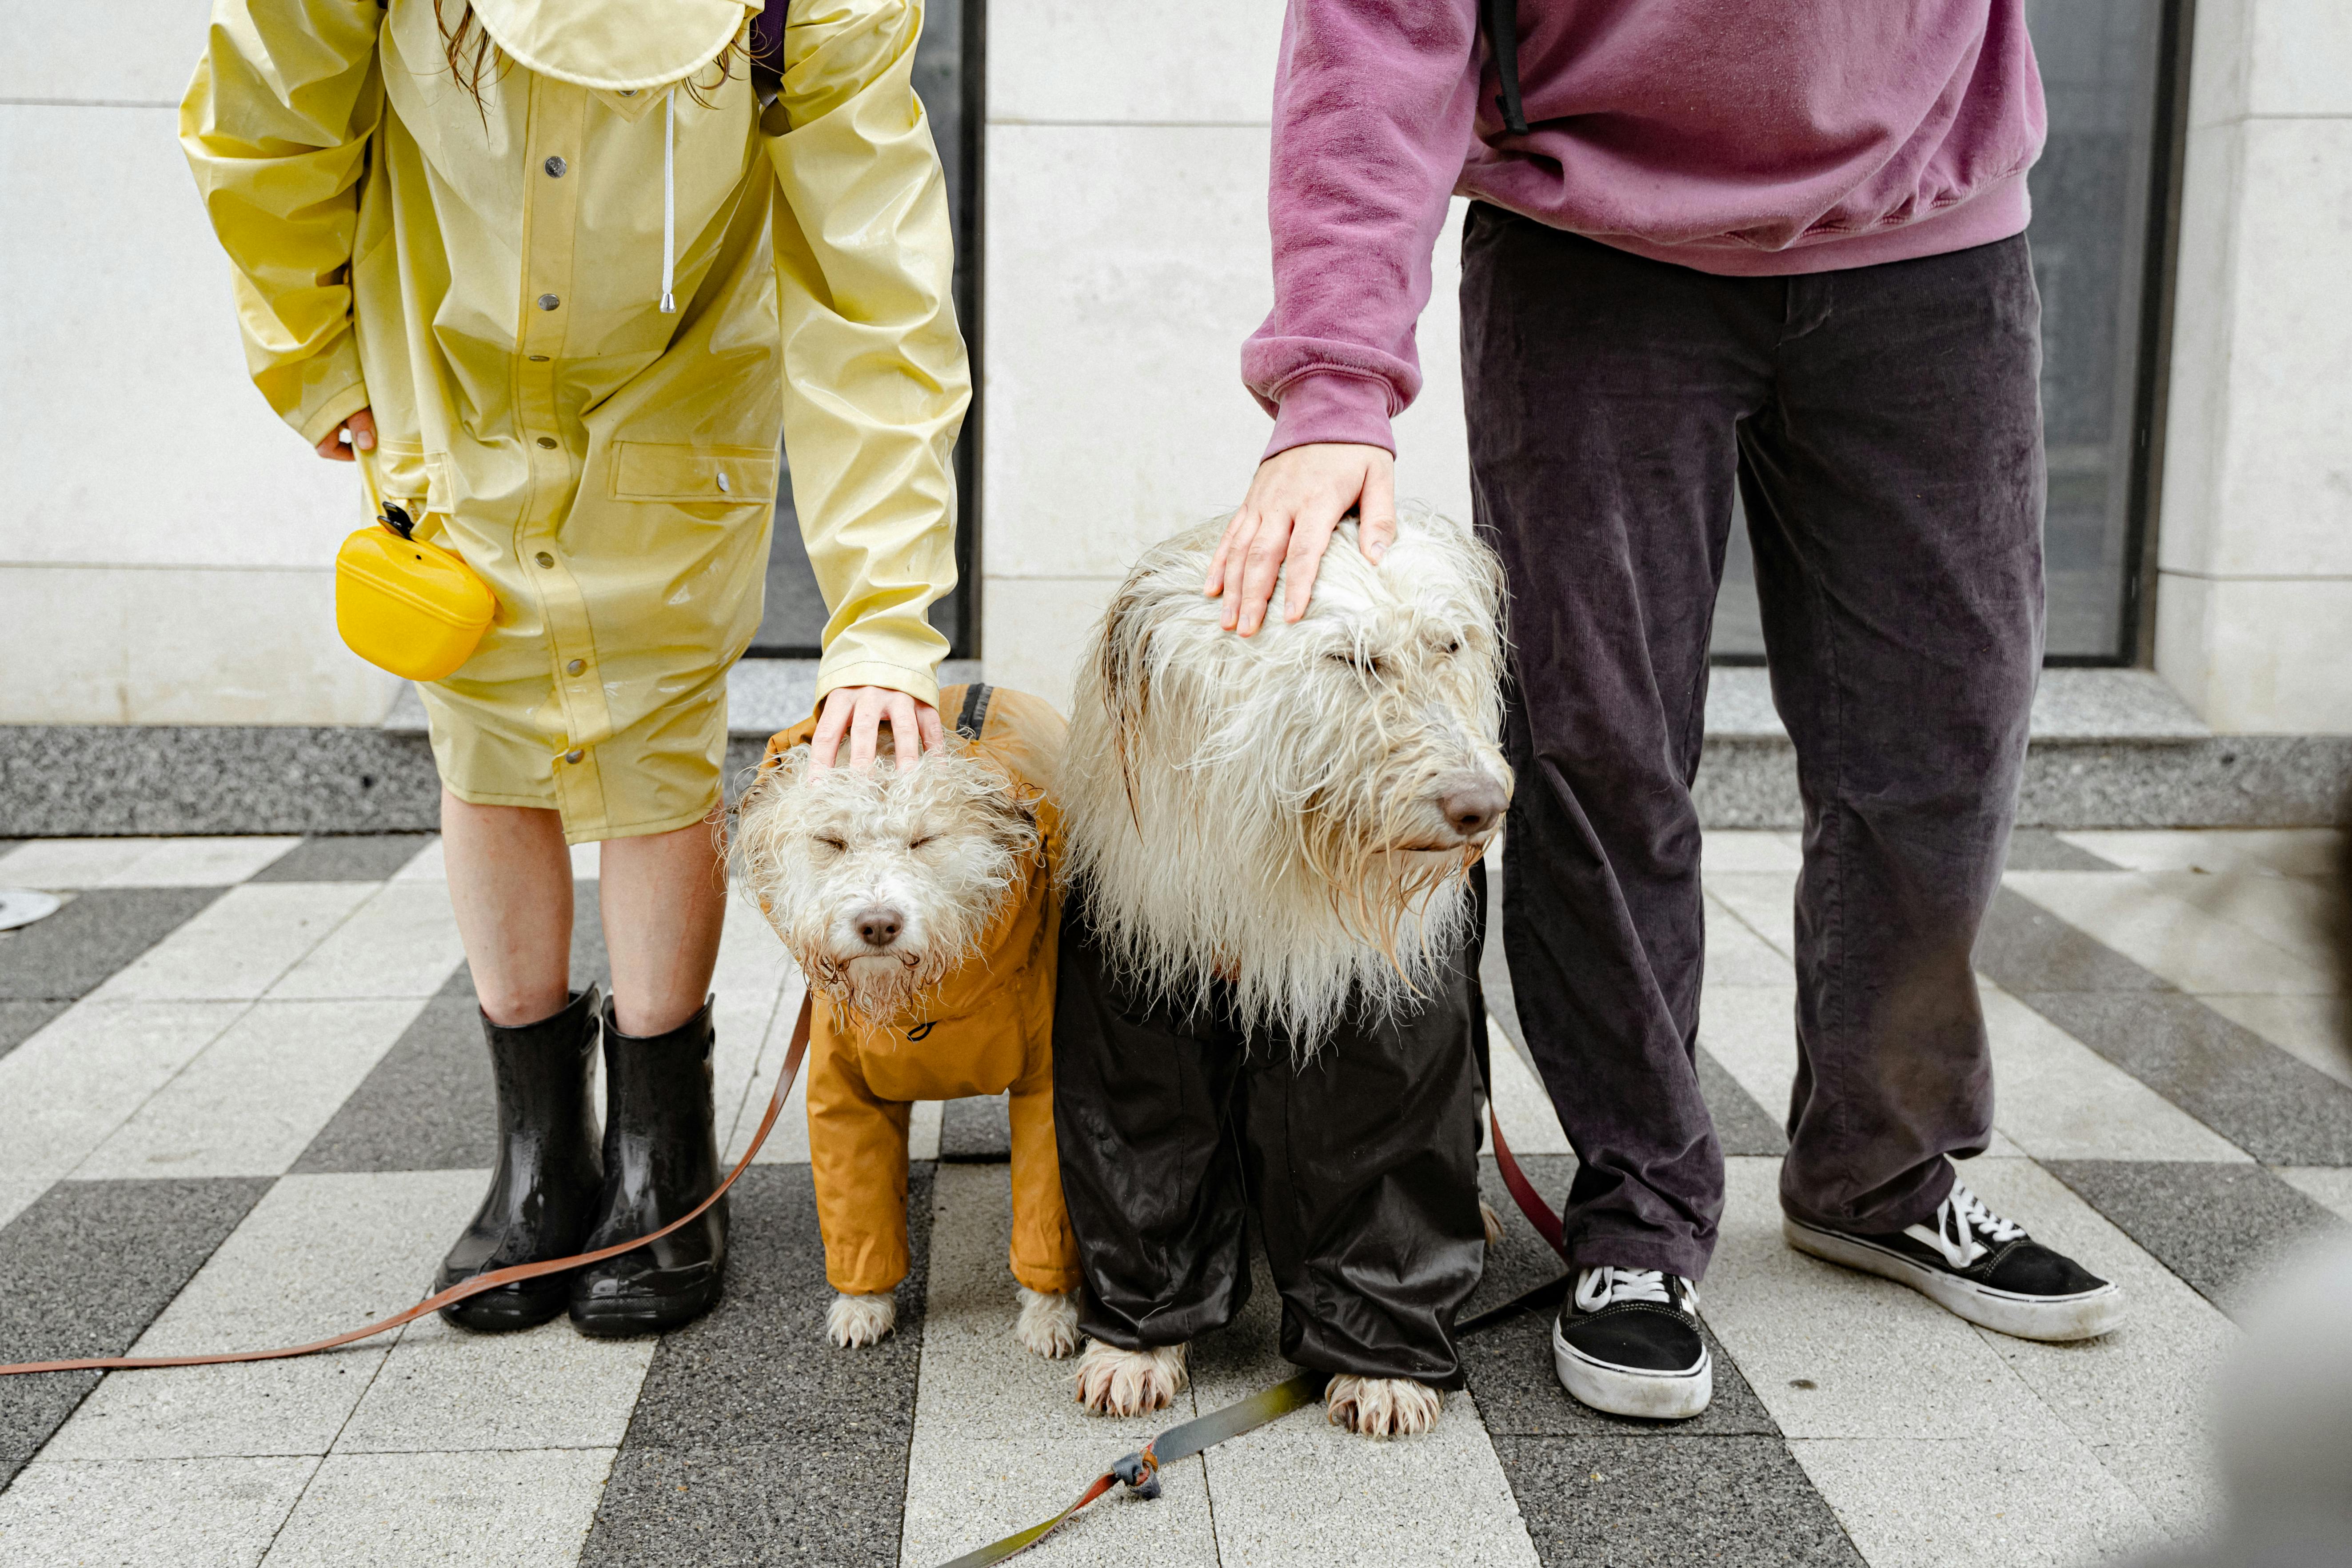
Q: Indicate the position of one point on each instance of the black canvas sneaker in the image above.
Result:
(1969, 1261)
(1628, 1342)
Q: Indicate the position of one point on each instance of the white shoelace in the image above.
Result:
(1598, 1287)
(1959, 1220)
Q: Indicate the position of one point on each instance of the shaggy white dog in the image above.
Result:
(1292, 813)
(883, 886)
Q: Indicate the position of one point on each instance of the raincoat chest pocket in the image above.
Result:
(655, 470)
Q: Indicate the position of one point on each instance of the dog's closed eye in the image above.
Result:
(833, 843)
(1361, 663)
(921, 839)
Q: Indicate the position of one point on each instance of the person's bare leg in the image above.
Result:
(510, 885)
(665, 898)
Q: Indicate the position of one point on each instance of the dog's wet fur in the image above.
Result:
(1292, 813)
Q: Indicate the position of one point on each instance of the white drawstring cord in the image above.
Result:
(669, 201)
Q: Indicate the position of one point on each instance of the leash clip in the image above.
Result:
(1141, 1471)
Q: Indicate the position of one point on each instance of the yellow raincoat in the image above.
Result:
(986, 1029)
(490, 280)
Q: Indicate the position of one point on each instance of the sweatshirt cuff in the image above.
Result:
(1332, 405)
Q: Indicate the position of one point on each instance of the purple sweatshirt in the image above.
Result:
(1741, 137)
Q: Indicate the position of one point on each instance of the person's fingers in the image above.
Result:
(361, 425)
(1237, 526)
(905, 740)
(332, 447)
(1378, 511)
(1261, 566)
(1308, 539)
(862, 728)
(1247, 524)
(935, 735)
(830, 725)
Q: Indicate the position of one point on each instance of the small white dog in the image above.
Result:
(919, 901)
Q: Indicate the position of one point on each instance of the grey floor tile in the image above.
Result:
(2024, 947)
(1510, 1364)
(2215, 1225)
(1742, 1125)
(428, 1106)
(2039, 849)
(346, 858)
(976, 1131)
(19, 1021)
(1611, 1499)
(826, 1497)
(89, 1264)
(81, 946)
(753, 1436)
(2281, 1110)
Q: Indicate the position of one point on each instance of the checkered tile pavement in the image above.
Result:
(243, 1101)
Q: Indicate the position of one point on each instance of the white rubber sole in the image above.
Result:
(1628, 1391)
(2055, 1318)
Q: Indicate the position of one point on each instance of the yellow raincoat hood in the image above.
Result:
(615, 45)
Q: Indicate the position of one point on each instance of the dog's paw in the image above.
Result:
(1492, 1221)
(1113, 1381)
(854, 1321)
(1380, 1408)
(1048, 1325)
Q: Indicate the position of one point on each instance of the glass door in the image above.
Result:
(2099, 233)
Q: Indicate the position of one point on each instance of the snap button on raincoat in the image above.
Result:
(986, 1029)
(490, 278)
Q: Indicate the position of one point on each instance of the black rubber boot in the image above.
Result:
(542, 1198)
(661, 1158)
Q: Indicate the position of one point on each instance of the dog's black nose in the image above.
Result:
(1472, 803)
(879, 926)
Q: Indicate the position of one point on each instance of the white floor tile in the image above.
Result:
(750, 958)
(426, 866)
(978, 1381)
(317, 1255)
(1521, 1103)
(188, 1513)
(2297, 913)
(241, 944)
(403, 941)
(2318, 1029)
(64, 1090)
(521, 1510)
(2056, 1099)
(1437, 1498)
(2200, 952)
(2136, 1397)
(1738, 850)
(2330, 1185)
(58, 863)
(1751, 1030)
(964, 1492)
(922, 1129)
(253, 1100)
(445, 1390)
(1765, 901)
(1735, 955)
(2030, 1501)
(17, 1195)
(2291, 852)
(1834, 1353)
(788, 1145)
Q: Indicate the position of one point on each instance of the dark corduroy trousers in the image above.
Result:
(1883, 425)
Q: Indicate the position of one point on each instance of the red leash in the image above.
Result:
(480, 1282)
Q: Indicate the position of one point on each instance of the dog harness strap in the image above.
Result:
(973, 717)
(480, 1282)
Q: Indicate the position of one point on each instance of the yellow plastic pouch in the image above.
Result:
(403, 605)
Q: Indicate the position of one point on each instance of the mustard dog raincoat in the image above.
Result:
(497, 281)
(986, 1029)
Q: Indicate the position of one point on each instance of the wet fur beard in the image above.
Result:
(1245, 809)
(941, 842)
